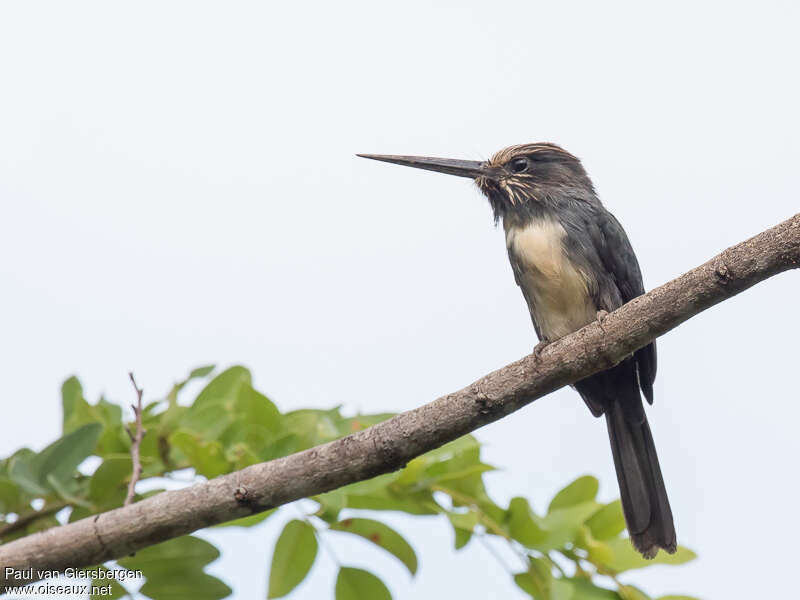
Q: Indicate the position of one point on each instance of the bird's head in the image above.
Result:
(519, 180)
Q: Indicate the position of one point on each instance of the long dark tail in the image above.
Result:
(644, 497)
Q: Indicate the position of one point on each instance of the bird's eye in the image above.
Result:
(518, 165)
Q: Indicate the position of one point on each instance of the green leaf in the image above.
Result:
(69, 491)
(383, 536)
(62, 457)
(224, 388)
(421, 503)
(209, 420)
(76, 411)
(240, 456)
(456, 470)
(293, 558)
(490, 513)
(522, 525)
(466, 475)
(114, 439)
(357, 584)
(564, 589)
(170, 418)
(185, 553)
(599, 552)
(109, 414)
(57, 462)
(109, 588)
(463, 526)
(254, 436)
(9, 496)
(109, 476)
(185, 556)
(359, 422)
(564, 524)
(462, 460)
(629, 592)
(465, 449)
(23, 471)
(579, 491)
(382, 493)
(284, 445)
(462, 537)
(330, 505)
(250, 520)
(627, 558)
(312, 426)
(174, 570)
(255, 408)
(608, 522)
(200, 372)
(369, 486)
(154, 452)
(198, 586)
(464, 520)
(78, 513)
(537, 581)
(207, 457)
(583, 589)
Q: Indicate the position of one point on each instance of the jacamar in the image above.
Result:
(573, 262)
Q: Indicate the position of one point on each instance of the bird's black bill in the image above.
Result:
(451, 166)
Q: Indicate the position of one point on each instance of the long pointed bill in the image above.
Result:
(451, 166)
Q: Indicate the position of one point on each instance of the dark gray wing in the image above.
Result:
(615, 251)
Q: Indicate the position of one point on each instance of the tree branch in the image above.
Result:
(390, 445)
(26, 519)
(136, 442)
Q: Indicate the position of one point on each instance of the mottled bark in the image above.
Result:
(391, 444)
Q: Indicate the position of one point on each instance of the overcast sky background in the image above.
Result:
(178, 186)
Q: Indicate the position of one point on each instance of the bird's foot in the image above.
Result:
(601, 316)
(537, 349)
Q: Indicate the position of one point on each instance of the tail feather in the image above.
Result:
(644, 497)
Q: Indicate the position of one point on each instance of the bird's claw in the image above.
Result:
(537, 349)
(601, 316)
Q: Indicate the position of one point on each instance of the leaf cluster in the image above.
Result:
(573, 550)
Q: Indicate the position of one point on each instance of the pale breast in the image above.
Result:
(555, 288)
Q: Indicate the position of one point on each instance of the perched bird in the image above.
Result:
(573, 261)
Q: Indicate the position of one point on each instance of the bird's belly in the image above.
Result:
(559, 307)
(556, 289)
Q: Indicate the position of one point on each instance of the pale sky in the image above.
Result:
(178, 186)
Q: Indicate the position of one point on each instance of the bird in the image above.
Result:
(574, 263)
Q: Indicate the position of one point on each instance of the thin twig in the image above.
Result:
(555, 564)
(319, 535)
(136, 442)
(485, 520)
(491, 550)
(578, 560)
(26, 519)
